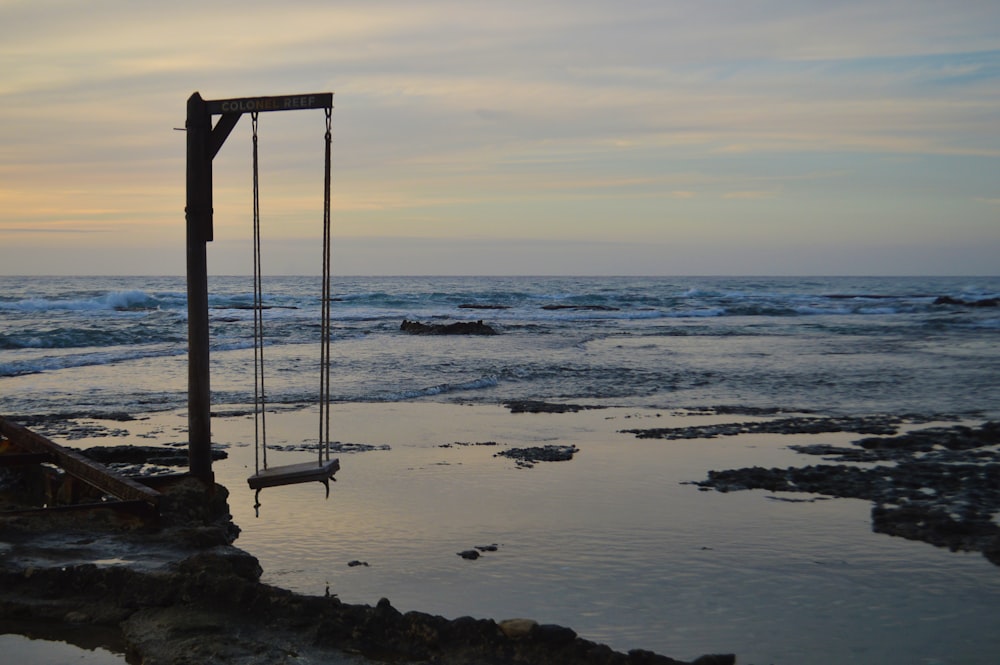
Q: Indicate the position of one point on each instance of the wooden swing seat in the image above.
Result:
(292, 474)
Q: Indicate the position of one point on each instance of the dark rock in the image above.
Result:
(471, 555)
(535, 406)
(459, 328)
(591, 308)
(335, 447)
(476, 639)
(838, 453)
(144, 455)
(739, 409)
(716, 659)
(643, 657)
(984, 302)
(798, 425)
(526, 457)
(958, 437)
(943, 487)
(553, 634)
(35, 421)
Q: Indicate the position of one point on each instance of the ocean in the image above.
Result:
(616, 542)
(831, 345)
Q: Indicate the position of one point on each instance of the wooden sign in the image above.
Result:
(321, 100)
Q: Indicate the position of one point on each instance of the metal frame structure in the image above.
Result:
(39, 449)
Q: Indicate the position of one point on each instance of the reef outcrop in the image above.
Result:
(458, 328)
(939, 485)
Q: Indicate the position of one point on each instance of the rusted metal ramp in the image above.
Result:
(24, 447)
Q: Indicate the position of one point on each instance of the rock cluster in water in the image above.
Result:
(478, 551)
(877, 424)
(939, 485)
(982, 302)
(458, 328)
(526, 458)
(536, 406)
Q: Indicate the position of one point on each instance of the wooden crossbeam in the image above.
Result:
(75, 464)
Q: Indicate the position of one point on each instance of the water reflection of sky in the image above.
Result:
(26, 651)
(611, 543)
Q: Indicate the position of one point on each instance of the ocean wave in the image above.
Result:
(698, 313)
(878, 310)
(92, 335)
(987, 324)
(623, 340)
(481, 383)
(116, 300)
(48, 363)
(809, 310)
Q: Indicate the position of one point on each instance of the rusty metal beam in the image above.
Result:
(77, 465)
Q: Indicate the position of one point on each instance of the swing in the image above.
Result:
(323, 469)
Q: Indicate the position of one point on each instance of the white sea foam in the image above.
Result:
(117, 300)
(34, 362)
(439, 389)
(708, 312)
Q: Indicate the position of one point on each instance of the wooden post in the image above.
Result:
(198, 212)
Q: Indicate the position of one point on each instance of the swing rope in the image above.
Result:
(260, 429)
(324, 399)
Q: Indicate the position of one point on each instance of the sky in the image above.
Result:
(551, 137)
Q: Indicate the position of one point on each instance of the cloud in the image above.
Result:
(750, 195)
(458, 117)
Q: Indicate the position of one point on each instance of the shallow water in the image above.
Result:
(24, 650)
(610, 543)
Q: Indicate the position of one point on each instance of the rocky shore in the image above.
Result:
(180, 592)
(939, 485)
